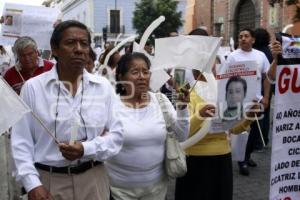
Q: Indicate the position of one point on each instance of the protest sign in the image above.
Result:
(23, 20)
(291, 47)
(236, 91)
(285, 159)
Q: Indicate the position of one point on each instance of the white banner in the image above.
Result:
(191, 51)
(23, 20)
(285, 162)
(236, 92)
(12, 107)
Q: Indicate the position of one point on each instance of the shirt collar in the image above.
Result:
(52, 76)
(246, 51)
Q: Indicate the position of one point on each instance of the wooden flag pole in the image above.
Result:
(196, 81)
(260, 132)
(194, 85)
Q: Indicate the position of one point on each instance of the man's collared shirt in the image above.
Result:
(94, 104)
(14, 79)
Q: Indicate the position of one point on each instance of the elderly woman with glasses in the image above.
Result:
(137, 172)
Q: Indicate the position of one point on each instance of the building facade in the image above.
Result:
(110, 16)
(226, 17)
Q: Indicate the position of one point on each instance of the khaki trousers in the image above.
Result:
(157, 191)
(90, 185)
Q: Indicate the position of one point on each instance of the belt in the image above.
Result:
(77, 169)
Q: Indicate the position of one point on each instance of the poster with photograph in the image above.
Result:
(179, 77)
(236, 92)
(12, 25)
(23, 20)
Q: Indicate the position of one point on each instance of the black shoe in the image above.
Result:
(244, 169)
(251, 163)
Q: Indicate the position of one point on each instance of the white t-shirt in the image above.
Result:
(258, 56)
(140, 161)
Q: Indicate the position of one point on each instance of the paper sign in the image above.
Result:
(179, 77)
(236, 91)
(193, 52)
(285, 162)
(290, 47)
(23, 20)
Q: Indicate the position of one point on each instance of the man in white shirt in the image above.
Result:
(245, 52)
(74, 105)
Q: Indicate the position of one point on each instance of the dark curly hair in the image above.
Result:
(249, 30)
(262, 38)
(199, 31)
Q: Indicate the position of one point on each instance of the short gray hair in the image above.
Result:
(23, 42)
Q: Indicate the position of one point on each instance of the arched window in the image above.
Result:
(245, 16)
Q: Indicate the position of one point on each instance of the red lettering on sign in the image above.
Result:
(295, 87)
(283, 85)
(288, 80)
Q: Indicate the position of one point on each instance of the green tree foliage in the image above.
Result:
(146, 11)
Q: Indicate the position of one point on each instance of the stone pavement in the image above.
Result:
(253, 187)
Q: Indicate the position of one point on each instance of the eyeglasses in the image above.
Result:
(138, 73)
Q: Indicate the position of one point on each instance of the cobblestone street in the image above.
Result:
(255, 186)
(252, 187)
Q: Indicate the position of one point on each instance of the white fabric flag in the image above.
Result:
(158, 78)
(12, 107)
(223, 53)
(191, 51)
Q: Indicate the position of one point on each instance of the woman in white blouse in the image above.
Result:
(137, 172)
